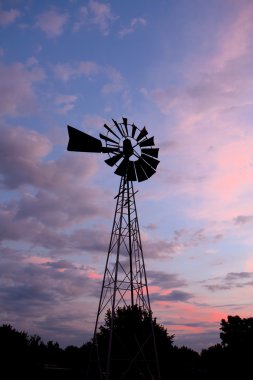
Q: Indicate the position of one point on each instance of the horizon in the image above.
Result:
(184, 71)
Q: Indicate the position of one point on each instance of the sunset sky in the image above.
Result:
(183, 69)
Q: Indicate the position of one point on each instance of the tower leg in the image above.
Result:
(125, 287)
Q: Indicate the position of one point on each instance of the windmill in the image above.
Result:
(134, 157)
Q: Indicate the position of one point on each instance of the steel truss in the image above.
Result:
(124, 284)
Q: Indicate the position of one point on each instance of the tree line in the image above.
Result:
(29, 357)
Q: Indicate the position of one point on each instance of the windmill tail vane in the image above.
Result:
(134, 157)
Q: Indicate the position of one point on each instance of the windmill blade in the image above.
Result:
(125, 124)
(107, 138)
(142, 134)
(81, 142)
(147, 142)
(131, 175)
(141, 175)
(147, 168)
(133, 130)
(153, 162)
(118, 128)
(110, 130)
(122, 168)
(113, 160)
(151, 151)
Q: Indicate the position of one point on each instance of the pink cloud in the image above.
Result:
(191, 317)
(8, 17)
(65, 103)
(233, 175)
(114, 80)
(249, 264)
(94, 275)
(238, 43)
(95, 14)
(213, 117)
(215, 82)
(66, 72)
(227, 185)
(37, 260)
(18, 95)
(52, 22)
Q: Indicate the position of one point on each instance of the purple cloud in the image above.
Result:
(30, 290)
(243, 219)
(231, 280)
(95, 14)
(173, 296)
(18, 96)
(43, 201)
(9, 16)
(165, 280)
(52, 22)
(132, 26)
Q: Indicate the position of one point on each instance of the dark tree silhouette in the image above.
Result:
(133, 338)
(24, 356)
(237, 339)
(237, 333)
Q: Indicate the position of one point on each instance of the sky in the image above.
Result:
(183, 69)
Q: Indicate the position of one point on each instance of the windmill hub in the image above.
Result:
(127, 148)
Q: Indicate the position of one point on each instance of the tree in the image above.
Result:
(237, 333)
(14, 351)
(237, 341)
(133, 338)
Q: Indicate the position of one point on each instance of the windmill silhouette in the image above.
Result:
(135, 158)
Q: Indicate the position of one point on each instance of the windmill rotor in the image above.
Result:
(129, 149)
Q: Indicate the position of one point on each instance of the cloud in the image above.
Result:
(36, 296)
(52, 22)
(238, 276)
(239, 41)
(44, 199)
(243, 219)
(65, 71)
(114, 80)
(224, 80)
(8, 17)
(132, 26)
(151, 226)
(95, 14)
(65, 103)
(173, 296)
(165, 280)
(182, 239)
(160, 248)
(211, 161)
(18, 95)
(231, 280)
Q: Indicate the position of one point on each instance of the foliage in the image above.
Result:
(237, 333)
(24, 356)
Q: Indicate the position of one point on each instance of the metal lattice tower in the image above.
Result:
(125, 281)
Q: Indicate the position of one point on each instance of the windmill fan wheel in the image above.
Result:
(130, 150)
